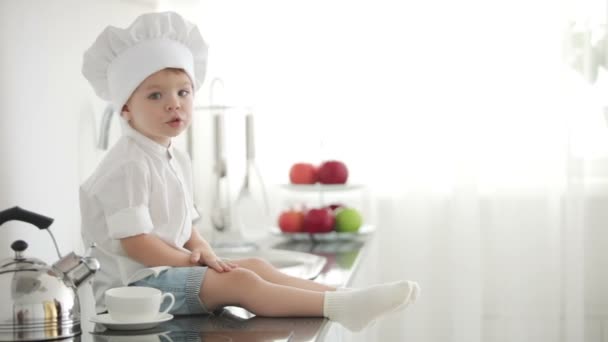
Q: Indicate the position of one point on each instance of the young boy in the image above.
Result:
(138, 205)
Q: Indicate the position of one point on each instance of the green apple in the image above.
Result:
(348, 220)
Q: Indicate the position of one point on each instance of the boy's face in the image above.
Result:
(161, 107)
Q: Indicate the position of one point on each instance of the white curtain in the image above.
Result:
(482, 149)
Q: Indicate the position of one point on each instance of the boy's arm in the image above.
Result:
(196, 241)
(151, 251)
(202, 253)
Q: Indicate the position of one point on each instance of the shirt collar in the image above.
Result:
(145, 142)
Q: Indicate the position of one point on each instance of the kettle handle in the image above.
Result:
(16, 213)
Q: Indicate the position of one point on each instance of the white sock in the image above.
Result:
(355, 309)
(344, 289)
(415, 292)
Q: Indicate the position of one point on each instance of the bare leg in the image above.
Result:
(269, 273)
(353, 309)
(244, 288)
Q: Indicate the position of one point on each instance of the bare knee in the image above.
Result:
(227, 288)
(255, 264)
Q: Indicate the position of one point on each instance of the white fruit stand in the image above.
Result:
(308, 196)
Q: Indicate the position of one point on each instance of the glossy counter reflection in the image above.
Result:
(226, 325)
(342, 258)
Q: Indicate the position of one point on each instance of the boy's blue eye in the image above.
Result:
(183, 93)
(154, 96)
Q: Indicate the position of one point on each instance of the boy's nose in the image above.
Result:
(172, 105)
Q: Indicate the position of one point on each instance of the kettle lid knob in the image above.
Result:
(19, 246)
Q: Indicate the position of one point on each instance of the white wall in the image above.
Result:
(48, 112)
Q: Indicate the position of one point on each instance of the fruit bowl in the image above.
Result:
(365, 230)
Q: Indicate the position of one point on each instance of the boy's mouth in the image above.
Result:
(176, 118)
(175, 122)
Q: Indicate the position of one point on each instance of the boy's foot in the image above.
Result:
(356, 309)
(413, 296)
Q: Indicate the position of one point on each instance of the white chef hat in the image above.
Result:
(120, 59)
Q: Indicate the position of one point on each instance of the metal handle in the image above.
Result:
(218, 137)
(249, 137)
(220, 216)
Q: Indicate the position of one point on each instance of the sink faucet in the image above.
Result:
(104, 129)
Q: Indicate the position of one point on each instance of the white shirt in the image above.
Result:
(139, 187)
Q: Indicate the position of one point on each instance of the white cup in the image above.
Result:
(132, 304)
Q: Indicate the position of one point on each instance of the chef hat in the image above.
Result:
(120, 59)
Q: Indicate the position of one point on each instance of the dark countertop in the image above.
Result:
(237, 324)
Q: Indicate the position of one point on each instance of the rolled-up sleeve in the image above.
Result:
(129, 222)
(124, 195)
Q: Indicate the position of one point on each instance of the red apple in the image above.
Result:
(319, 221)
(303, 173)
(335, 206)
(291, 221)
(333, 172)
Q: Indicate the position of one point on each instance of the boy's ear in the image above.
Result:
(126, 113)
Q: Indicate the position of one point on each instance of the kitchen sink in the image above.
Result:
(297, 264)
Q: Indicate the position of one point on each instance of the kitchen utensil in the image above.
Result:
(229, 234)
(251, 206)
(39, 302)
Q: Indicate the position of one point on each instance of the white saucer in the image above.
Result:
(109, 323)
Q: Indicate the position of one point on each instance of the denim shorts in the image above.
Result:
(184, 283)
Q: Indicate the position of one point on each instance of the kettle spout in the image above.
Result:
(84, 271)
(77, 269)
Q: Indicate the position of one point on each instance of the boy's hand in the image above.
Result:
(205, 256)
